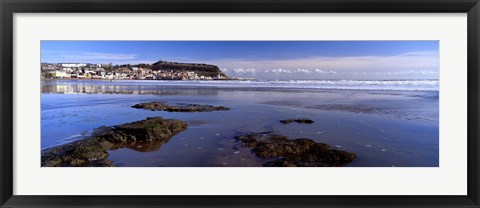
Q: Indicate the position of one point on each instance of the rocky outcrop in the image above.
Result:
(198, 68)
(92, 151)
(298, 120)
(301, 152)
(151, 129)
(160, 106)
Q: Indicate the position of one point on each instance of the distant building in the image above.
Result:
(55, 74)
(48, 67)
(101, 72)
(73, 65)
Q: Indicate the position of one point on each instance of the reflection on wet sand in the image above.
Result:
(351, 108)
(85, 88)
(391, 109)
(348, 108)
(140, 146)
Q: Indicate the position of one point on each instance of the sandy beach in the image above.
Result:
(384, 128)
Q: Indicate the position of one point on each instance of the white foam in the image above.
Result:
(394, 85)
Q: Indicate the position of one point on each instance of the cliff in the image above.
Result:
(200, 69)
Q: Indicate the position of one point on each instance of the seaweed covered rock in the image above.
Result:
(151, 129)
(295, 153)
(181, 107)
(298, 120)
(93, 151)
(90, 152)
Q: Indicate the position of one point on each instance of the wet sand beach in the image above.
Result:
(383, 127)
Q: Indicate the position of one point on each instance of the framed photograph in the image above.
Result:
(268, 103)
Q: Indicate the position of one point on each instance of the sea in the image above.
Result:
(386, 123)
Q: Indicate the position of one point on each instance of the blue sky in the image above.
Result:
(266, 59)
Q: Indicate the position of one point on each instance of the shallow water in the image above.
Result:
(383, 128)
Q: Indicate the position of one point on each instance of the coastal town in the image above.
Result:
(161, 70)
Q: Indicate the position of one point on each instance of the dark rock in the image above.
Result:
(83, 153)
(92, 151)
(160, 106)
(151, 129)
(298, 120)
(296, 153)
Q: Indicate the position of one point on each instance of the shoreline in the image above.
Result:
(367, 85)
(110, 80)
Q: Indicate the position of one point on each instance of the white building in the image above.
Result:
(73, 65)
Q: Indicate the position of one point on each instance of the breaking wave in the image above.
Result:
(394, 85)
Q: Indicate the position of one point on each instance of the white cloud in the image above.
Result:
(419, 59)
(410, 64)
(285, 71)
(289, 71)
(245, 71)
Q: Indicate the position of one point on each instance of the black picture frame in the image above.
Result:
(10, 7)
